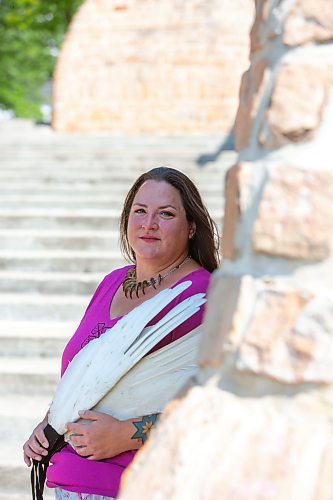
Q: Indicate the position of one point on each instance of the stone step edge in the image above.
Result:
(60, 254)
(70, 213)
(60, 233)
(40, 299)
(21, 406)
(76, 197)
(11, 455)
(54, 276)
(37, 329)
(60, 212)
(85, 188)
(29, 366)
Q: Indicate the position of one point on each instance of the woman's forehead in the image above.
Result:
(158, 191)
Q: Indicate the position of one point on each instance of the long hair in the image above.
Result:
(204, 245)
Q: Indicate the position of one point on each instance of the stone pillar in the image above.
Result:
(256, 423)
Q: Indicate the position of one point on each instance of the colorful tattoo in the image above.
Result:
(144, 426)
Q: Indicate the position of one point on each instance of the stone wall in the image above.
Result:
(152, 66)
(256, 422)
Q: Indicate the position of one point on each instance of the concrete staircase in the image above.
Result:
(60, 199)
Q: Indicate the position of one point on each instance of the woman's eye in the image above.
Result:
(139, 211)
(165, 213)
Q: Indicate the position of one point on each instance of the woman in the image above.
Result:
(169, 236)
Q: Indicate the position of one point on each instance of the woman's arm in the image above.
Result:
(105, 436)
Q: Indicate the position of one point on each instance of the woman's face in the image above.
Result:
(158, 230)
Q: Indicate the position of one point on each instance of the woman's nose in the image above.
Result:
(150, 222)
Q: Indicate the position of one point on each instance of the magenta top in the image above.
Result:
(69, 470)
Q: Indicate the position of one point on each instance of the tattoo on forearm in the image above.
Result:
(144, 426)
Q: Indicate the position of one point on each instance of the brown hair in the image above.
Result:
(203, 247)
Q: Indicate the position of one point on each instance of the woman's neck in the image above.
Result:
(146, 270)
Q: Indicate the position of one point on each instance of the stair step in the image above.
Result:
(30, 376)
(35, 338)
(59, 218)
(19, 415)
(61, 185)
(14, 474)
(49, 282)
(65, 239)
(86, 198)
(99, 172)
(105, 220)
(12, 169)
(9, 200)
(60, 260)
(28, 307)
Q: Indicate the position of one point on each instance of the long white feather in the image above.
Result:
(101, 363)
(128, 327)
(152, 382)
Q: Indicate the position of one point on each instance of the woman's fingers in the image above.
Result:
(82, 451)
(39, 433)
(78, 439)
(26, 459)
(29, 454)
(33, 450)
(76, 428)
(36, 447)
(89, 414)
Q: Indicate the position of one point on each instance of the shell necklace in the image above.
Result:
(130, 284)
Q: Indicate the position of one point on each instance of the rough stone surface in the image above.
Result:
(272, 341)
(309, 21)
(297, 105)
(152, 66)
(261, 31)
(295, 218)
(232, 211)
(251, 91)
(232, 448)
(270, 329)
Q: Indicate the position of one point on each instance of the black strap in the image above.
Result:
(39, 468)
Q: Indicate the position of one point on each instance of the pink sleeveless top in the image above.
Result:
(69, 470)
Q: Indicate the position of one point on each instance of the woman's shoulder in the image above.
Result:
(198, 276)
(111, 280)
(200, 279)
(116, 273)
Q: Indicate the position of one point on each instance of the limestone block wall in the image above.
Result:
(152, 66)
(256, 421)
(282, 187)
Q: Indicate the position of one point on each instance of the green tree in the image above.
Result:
(31, 32)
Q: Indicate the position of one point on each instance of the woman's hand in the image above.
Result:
(102, 437)
(36, 446)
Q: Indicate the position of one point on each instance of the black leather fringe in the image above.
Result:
(38, 471)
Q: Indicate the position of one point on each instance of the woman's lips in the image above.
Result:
(148, 239)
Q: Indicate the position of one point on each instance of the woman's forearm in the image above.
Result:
(142, 427)
(108, 436)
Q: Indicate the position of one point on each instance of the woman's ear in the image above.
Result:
(192, 230)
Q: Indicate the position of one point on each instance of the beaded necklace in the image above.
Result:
(130, 284)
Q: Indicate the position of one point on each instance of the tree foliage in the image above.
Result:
(31, 32)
